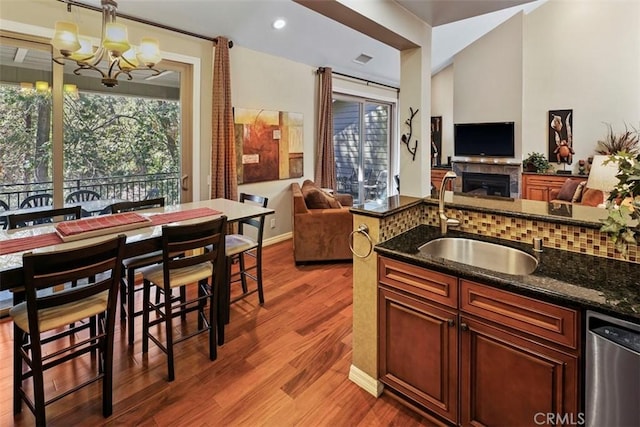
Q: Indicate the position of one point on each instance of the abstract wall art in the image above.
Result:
(269, 145)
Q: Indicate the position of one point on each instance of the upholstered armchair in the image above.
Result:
(320, 232)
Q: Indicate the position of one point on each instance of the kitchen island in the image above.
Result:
(539, 317)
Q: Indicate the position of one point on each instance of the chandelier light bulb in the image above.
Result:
(149, 51)
(128, 60)
(65, 38)
(86, 50)
(115, 39)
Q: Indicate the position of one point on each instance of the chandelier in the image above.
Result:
(114, 47)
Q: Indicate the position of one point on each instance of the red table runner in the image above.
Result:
(22, 244)
(78, 226)
(166, 218)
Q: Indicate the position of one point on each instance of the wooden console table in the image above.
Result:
(537, 186)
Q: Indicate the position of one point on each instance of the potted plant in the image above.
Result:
(614, 143)
(536, 162)
(623, 204)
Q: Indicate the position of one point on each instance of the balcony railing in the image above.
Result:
(130, 187)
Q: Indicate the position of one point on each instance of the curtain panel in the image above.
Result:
(224, 178)
(325, 170)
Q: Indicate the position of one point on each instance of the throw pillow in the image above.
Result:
(315, 198)
(592, 197)
(577, 196)
(568, 189)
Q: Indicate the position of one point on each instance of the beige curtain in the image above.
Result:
(325, 172)
(224, 178)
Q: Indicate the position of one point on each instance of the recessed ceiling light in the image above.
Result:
(279, 24)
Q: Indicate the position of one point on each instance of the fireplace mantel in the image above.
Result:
(487, 161)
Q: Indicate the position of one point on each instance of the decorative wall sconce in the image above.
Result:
(406, 138)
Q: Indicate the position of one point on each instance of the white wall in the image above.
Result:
(442, 105)
(582, 55)
(487, 78)
(264, 81)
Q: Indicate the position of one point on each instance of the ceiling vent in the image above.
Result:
(362, 59)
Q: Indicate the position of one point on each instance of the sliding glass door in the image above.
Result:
(362, 141)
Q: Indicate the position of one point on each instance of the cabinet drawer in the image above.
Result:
(544, 320)
(419, 281)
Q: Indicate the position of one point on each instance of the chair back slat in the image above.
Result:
(192, 240)
(257, 223)
(49, 270)
(27, 219)
(137, 205)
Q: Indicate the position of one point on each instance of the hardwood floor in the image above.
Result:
(283, 364)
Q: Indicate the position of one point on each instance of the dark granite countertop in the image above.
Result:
(389, 206)
(566, 278)
(560, 213)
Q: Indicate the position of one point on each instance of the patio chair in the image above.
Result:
(80, 196)
(3, 219)
(37, 200)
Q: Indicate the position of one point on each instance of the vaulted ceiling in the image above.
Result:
(308, 37)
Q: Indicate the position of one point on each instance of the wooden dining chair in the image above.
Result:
(128, 286)
(195, 266)
(80, 196)
(44, 319)
(28, 219)
(237, 246)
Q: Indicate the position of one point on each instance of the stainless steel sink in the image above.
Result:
(489, 256)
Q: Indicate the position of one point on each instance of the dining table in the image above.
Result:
(144, 238)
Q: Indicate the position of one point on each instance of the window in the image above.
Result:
(362, 143)
(126, 142)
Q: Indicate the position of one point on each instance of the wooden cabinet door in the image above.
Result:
(507, 380)
(537, 193)
(418, 351)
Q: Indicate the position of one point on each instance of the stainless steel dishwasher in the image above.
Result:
(612, 380)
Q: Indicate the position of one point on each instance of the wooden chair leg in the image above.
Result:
(243, 276)
(168, 321)
(259, 274)
(38, 382)
(18, 339)
(146, 302)
(131, 307)
(213, 347)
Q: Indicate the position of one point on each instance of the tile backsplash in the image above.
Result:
(566, 237)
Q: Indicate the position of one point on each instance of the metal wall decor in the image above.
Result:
(406, 138)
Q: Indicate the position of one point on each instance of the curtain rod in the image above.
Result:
(322, 69)
(70, 3)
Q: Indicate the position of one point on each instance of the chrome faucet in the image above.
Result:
(446, 222)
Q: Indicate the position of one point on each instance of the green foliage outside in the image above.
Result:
(104, 136)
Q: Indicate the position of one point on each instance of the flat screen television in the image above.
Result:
(484, 139)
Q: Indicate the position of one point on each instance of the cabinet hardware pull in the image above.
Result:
(451, 322)
(184, 182)
(464, 326)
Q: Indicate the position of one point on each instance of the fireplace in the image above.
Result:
(490, 169)
(486, 184)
